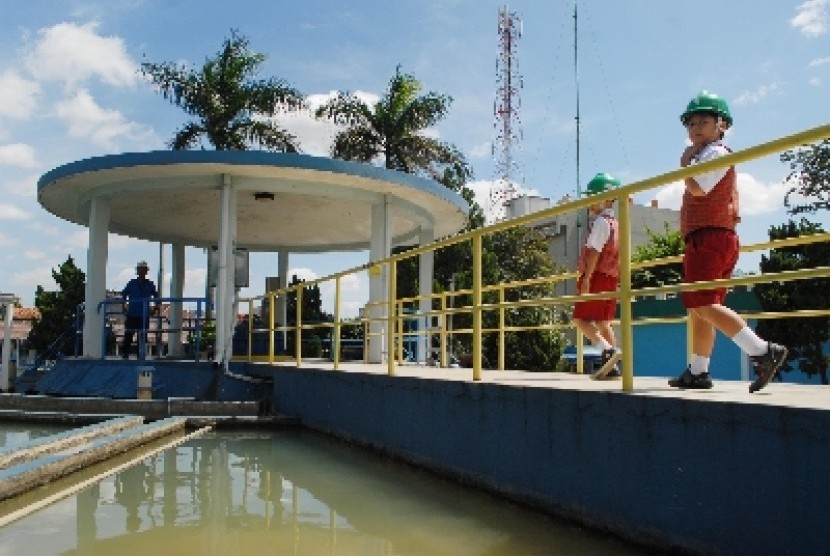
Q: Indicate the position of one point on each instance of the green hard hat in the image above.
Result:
(601, 182)
(708, 103)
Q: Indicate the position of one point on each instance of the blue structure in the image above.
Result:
(720, 472)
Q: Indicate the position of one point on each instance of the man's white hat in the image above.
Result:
(142, 264)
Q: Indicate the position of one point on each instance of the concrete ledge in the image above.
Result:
(54, 443)
(149, 409)
(25, 476)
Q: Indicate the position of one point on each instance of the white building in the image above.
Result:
(566, 232)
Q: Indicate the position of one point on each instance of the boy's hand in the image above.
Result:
(688, 154)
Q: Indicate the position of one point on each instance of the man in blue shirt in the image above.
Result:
(138, 292)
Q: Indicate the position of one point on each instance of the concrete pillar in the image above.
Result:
(225, 278)
(281, 305)
(8, 303)
(177, 269)
(381, 247)
(96, 277)
(426, 271)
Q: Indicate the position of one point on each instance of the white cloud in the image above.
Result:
(482, 188)
(302, 273)
(76, 241)
(18, 96)
(482, 150)
(819, 62)
(6, 241)
(23, 187)
(11, 212)
(756, 198)
(317, 135)
(17, 154)
(104, 127)
(670, 196)
(760, 198)
(754, 97)
(34, 254)
(73, 53)
(37, 276)
(811, 18)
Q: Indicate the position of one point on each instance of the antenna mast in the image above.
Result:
(507, 124)
(576, 82)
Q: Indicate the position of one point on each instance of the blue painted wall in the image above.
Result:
(660, 349)
(702, 475)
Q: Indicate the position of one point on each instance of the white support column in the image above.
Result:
(8, 302)
(381, 247)
(225, 286)
(426, 271)
(177, 268)
(280, 306)
(96, 277)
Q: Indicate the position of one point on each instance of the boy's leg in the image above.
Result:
(607, 332)
(590, 331)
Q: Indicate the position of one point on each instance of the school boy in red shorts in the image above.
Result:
(708, 218)
(599, 271)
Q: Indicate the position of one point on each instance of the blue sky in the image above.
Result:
(69, 89)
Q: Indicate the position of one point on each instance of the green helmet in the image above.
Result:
(600, 183)
(707, 103)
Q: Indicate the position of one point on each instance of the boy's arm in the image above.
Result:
(591, 258)
(702, 184)
(686, 159)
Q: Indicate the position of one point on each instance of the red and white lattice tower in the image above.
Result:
(508, 125)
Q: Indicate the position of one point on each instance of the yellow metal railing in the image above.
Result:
(392, 309)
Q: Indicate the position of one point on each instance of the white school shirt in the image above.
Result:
(600, 231)
(708, 180)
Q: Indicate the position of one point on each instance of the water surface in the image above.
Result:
(288, 493)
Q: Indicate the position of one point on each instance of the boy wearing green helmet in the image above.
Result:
(708, 218)
(599, 271)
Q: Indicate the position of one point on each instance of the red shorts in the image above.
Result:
(600, 309)
(711, 254)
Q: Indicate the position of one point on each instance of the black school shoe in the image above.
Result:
(691, 382)
(767, 365)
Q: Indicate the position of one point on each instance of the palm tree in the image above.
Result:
(391, 131)
(227, 103)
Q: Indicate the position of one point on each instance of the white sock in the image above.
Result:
(603, 344)
(749, 342)
(700, 364)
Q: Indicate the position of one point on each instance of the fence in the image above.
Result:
(390, 315)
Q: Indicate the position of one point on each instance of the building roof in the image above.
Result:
(291, 202)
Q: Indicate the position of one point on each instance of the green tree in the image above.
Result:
(659, 246)
(392, 131)
(312, 314)
(58, 310)
(804, 337)
(226, 100)
(810, 174)
(517, 254)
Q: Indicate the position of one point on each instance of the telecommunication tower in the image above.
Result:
(507, 123)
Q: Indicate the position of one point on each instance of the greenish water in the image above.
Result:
(14, 435)
(287, 493)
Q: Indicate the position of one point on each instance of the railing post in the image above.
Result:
(335, 343)
(443, 320)
(626, 320)
(501, 327)
(477, 344)
(390, 318)
(298, 337)
(272, 302)
(400, 335)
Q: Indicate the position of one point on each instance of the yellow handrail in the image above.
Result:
(392, 316)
